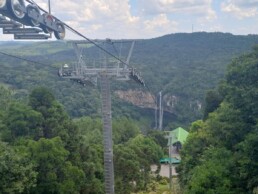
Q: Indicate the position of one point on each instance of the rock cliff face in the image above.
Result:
(170, 101)
(146, 100)
(137, 98)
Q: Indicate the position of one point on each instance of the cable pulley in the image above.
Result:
(33, 9)
(44, 24)
(2, 3)
(17, 8)
(30, 15)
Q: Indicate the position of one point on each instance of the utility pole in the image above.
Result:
(160, 111)
(170, 163)
(156, 114)
(170, 149)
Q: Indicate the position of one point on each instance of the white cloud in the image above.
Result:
(160, 23)
(145, 18)
(240, 8)
(98, 17)
(187, 7)
(114, 18)
(111, 18)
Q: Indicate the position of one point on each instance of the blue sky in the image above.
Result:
(153, 18)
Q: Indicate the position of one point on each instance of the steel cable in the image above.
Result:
(81, 35)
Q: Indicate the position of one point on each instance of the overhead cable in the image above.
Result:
(23, 59)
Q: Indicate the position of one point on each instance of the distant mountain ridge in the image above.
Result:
(183, 65)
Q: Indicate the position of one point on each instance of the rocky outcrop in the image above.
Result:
(137, 98)
(146, 100)
(170, 101)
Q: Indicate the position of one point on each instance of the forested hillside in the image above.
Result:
(51, 131)
(221, 154)
(183, 66)
(43, 151)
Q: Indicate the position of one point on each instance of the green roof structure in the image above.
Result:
(167, 160)
(178, 135)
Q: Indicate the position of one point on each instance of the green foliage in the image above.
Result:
(152, 186)
(220, 155)
(43, 101)
(64, 155)
(225, 161)
(91, 153)
(184, 61)
(127, 170)
(191, 153)
(133, 155)
(17, 173)
(55, 120)
(248, 160)
(227, 126)
(22, 121)
(90, 129)
(148, 153)
(158, 137)
(197, 125)
(5, 98)
(212, 175)
(163, 181)
(124, 129)
(147, 150)
(242, 86)
(92, 165)
(5, 101)
(132, 164)
(212, 102)
(55, 173)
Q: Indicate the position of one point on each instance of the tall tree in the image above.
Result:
(213, 173)
(124, 129)
(212, 102)
(55, 120)
(148, 153)
(127, 170)
(55, 173)
(232, 129)
(248, 160)
(17, 173)
(22, 121)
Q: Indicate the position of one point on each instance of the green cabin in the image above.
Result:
(177, 136)
(176, 139)
(168, 160)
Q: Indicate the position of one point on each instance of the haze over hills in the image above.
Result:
(184, 66)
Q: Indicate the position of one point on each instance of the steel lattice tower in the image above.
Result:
(107, 133)
(83, 74)
(29, 21)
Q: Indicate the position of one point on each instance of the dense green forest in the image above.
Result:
(184, 66)
(43, 151)
(51, 131)
(221, 154)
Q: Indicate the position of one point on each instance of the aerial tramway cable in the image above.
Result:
(80, 34)
(24, 59)
(61, 24)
